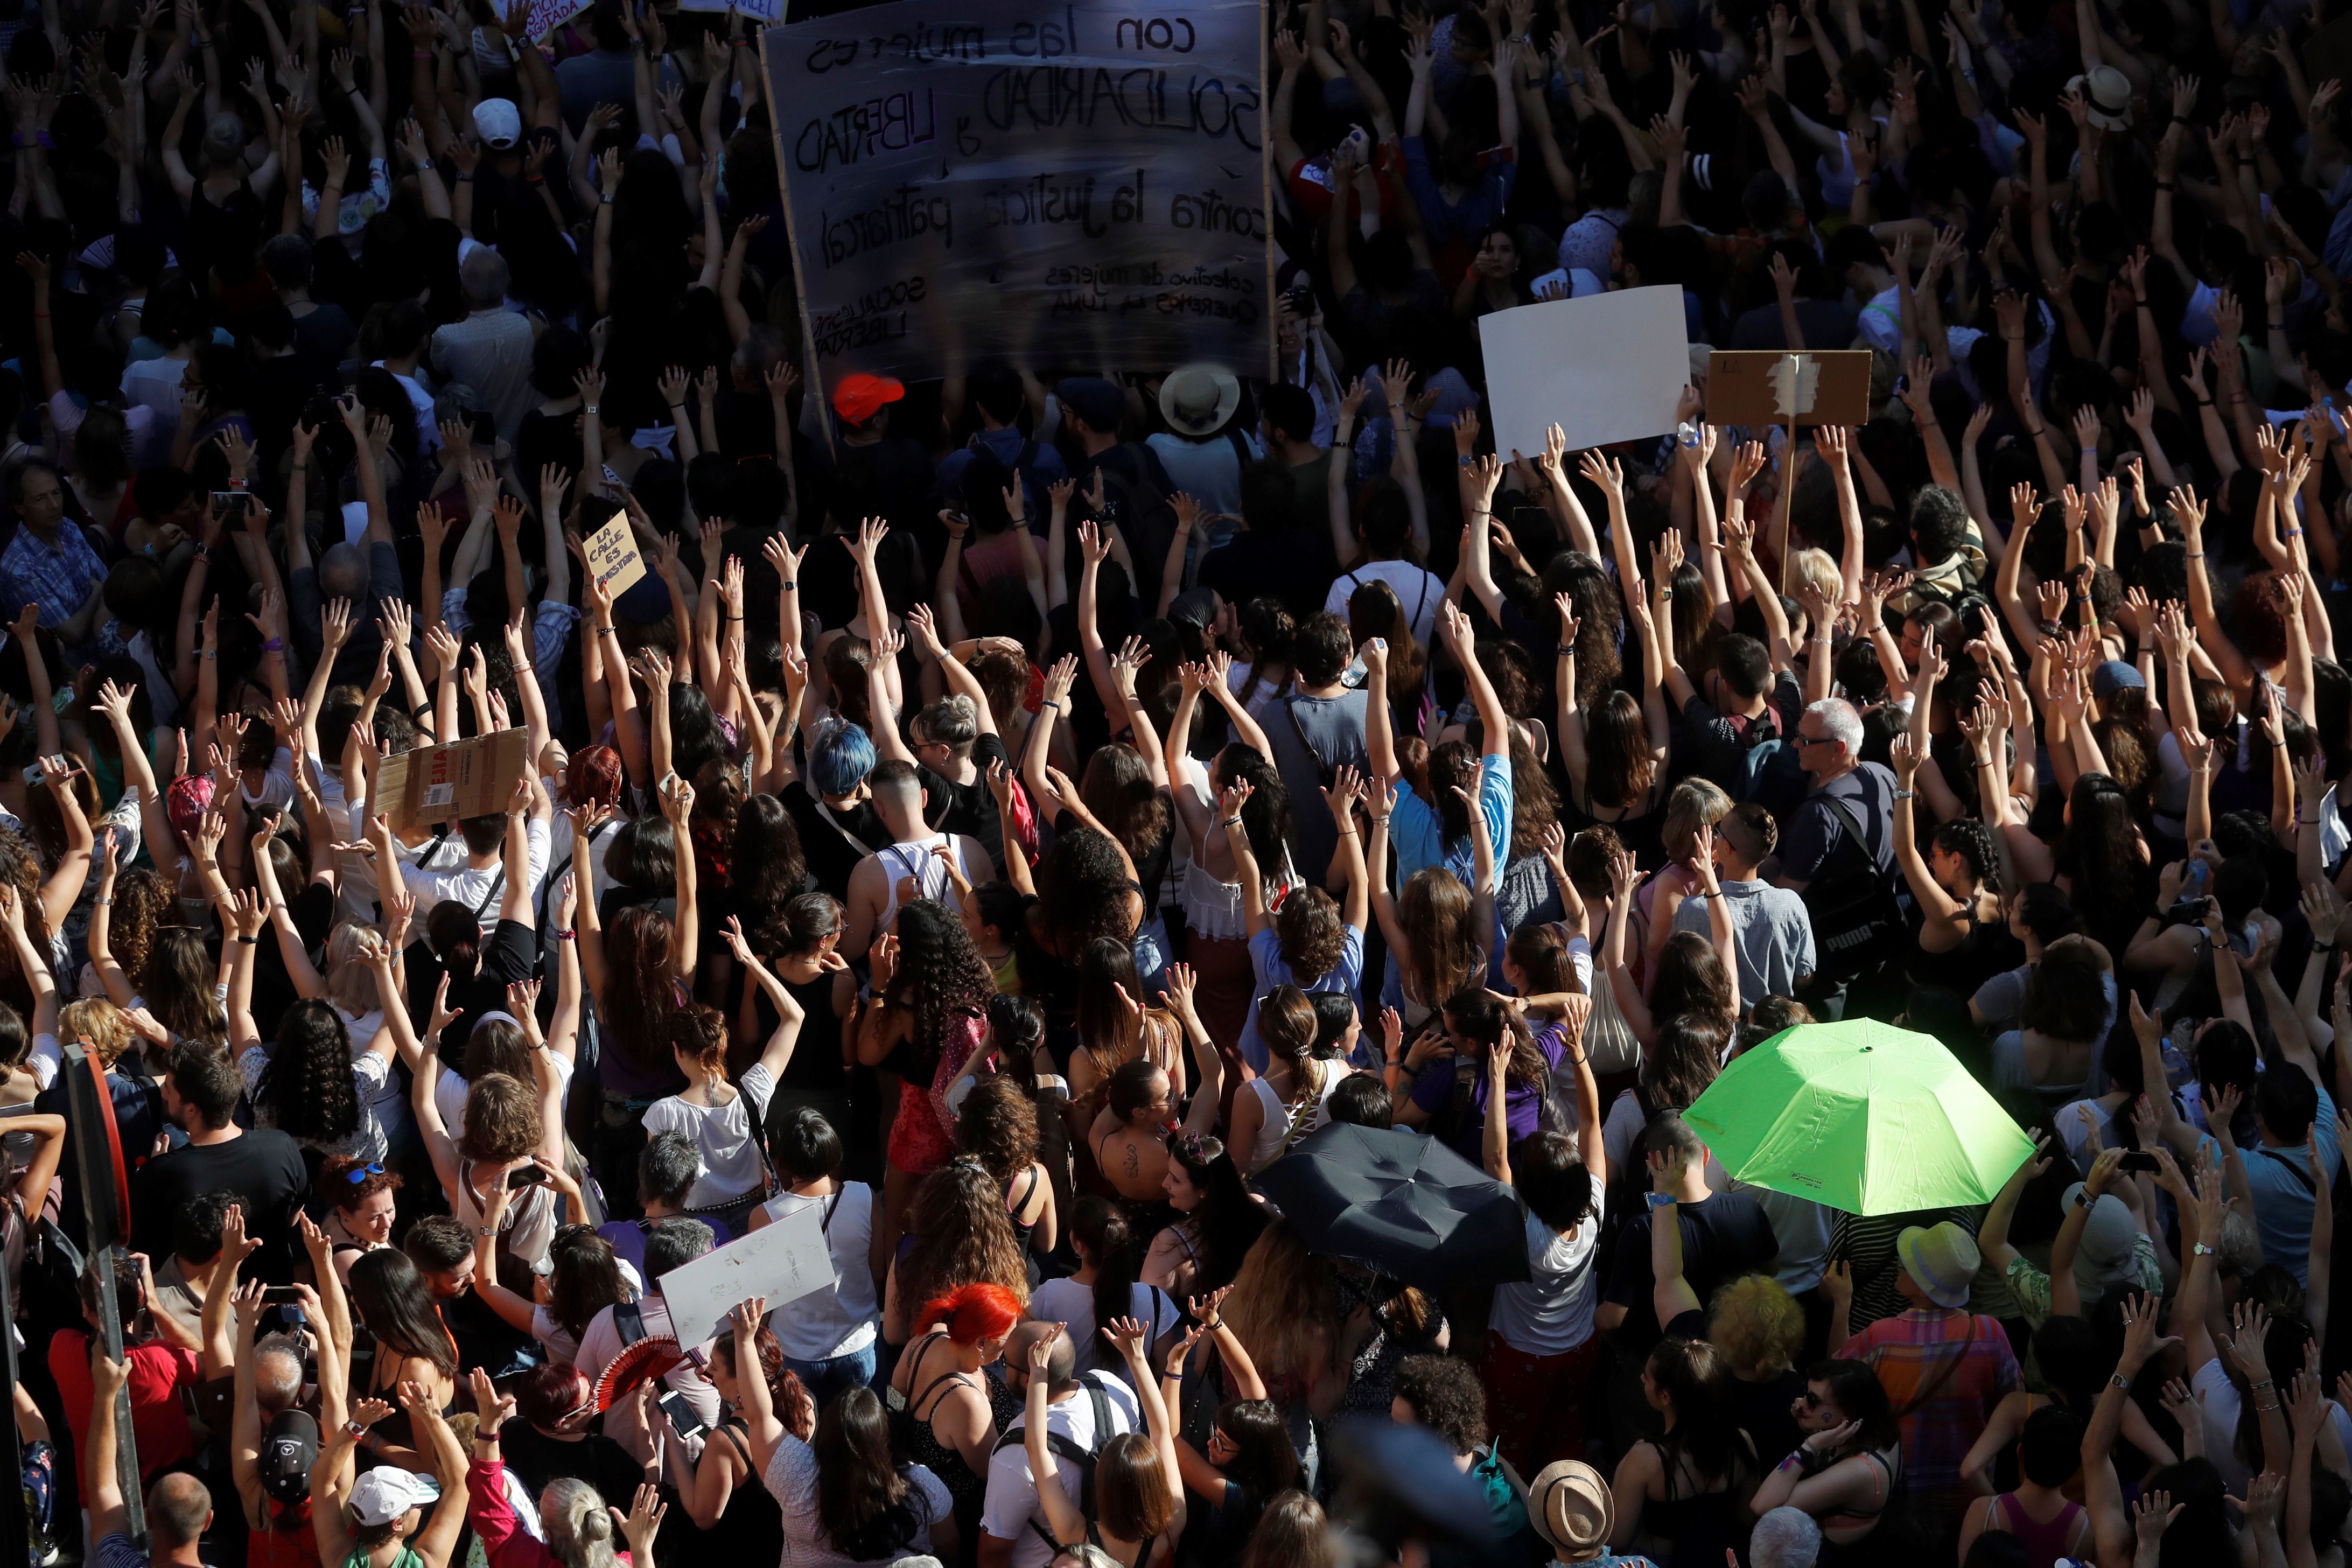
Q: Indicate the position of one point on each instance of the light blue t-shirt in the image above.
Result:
(1417, 833)
(2281, 1180)
(1268, 970)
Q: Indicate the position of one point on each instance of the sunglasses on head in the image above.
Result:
(359, 1174)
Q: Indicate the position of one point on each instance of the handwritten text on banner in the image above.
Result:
(1024, 179)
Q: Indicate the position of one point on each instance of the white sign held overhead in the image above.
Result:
(783, 1261)
(1608, 367)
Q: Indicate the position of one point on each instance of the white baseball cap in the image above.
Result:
(499, 122)
(386, 1492)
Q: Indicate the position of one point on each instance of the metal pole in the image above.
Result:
(98, 1155)
(14, 1523)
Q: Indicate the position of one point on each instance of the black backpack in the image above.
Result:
(1858, 926)
(1069, 1453)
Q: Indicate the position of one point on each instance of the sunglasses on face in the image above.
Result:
(1814, 1401)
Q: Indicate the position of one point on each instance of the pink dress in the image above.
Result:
(922, 1135)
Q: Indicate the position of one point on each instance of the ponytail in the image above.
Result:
(1112, 1247)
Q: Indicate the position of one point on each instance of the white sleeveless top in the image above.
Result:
(914, 859)
(1277, 1113)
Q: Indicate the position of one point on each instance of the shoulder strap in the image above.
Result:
(1944, 1374)
(629, 1321)
(2302, 1176)
(1853, 828)
(1290, 707)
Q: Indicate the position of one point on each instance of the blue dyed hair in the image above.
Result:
(843, 757)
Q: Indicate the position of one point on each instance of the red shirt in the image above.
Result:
(295, 1546)
(159, 1421)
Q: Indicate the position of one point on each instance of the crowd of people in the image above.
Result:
(1047, 797)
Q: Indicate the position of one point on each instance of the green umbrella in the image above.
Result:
(1859, 1116)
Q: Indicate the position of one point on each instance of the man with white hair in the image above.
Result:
(1838, 842)
(1785, 1538)
(489, 350)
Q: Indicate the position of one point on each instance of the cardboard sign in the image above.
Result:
(433, 785)
(1608, 367)
(613, 556)
(1768, 387)
(783, 1261)
(1082, 182)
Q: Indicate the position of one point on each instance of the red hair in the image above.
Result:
(973, 1312)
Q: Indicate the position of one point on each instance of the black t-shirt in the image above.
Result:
(537, 1459)
(1725, 1235)
(543, 438)
(816, 1066)
(138, 1117)
(485, 1339)
(967, 808)
(1294, 565)
(834, 841)
(262, 1166)
(511, 955)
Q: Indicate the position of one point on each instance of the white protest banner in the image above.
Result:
(543, 16)
(613, 556)
(1608, 367)
(783, 1261)
(756, 10)
(1041, 180)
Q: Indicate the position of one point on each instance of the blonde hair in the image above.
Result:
(351, 983)
(105, 1026)
(1817, 567)
(579, 1527)
(1694, 804)
(1281, 1306)
(1757, 1325)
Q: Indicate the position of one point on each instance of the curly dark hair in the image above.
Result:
(1445, 1393)
(1265, 815)
(1311, 933)
(962, 1235)
(1083, 885)
(141, 898)
(1118, 790)
(1972, 841)
(998, 1127)
(942, 977)
(308, 1090)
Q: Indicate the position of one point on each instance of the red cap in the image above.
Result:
(860, 397)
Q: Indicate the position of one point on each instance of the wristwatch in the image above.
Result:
(355, 1429)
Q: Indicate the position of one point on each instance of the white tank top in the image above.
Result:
(1276, 1125)
(914, 859)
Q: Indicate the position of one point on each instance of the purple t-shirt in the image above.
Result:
(1522, 1104)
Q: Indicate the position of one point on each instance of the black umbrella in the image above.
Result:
(1401, 1205)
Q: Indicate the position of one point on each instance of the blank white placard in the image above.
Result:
(784, 1261)
(1608, 367)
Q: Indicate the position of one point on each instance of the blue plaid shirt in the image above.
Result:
(56, 574)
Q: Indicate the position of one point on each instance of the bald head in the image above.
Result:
(1061, 1361)
(277, 1375)
(484, 276)
(342, 572)
(178, 1509)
